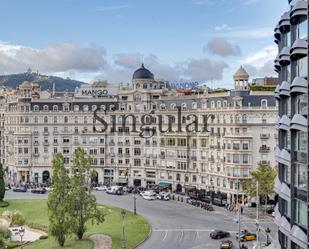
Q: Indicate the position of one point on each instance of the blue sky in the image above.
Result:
(203, 40)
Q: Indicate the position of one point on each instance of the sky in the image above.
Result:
(178, 40)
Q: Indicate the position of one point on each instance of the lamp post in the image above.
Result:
(212, 189)
(21, 232)
(134, 200)
(123, 240)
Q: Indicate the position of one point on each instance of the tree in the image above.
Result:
(2, 184)
(82, 202)
(265, 175)
(59, 220)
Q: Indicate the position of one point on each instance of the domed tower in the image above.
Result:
(241, 78)
(142, 78)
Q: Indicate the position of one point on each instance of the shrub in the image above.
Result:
(11, 245)
(4, 204)
(18, 219)
(44, 237)
(38, 227)
(5, 234)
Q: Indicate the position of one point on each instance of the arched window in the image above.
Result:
(85, 108)
(66, 119)
(94, 107)
(76, 108)
(264, 119)
(173, 106)
(85, 120)
(162, 107)
(218, 104)
(45, 107)
(237, 119)
(55, 108)
(36, 108)
(224, 103)
(212, 104)
(183, 106)
(36, 119)
(263, 103)
(194, 105)
(45, 119)
(145, 86)
(66, 107)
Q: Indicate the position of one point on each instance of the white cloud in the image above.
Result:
(247, 32)
(128, 60)
(223, 27)
(258, 58)
(107, 8)
(200, 2)
(267, 69)
(222, 47)
(54, 58)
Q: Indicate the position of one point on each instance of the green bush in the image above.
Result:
(4, 204)
(5, 234)
(38, 227)
(18, 219)
(11, 245)
(44, 237)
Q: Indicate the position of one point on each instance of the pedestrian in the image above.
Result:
(241, 210)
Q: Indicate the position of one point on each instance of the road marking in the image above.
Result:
(165, 235)
(186, 230)
(181, 235)
(197, 235)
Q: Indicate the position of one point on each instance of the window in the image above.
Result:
(45, 119)
(245, 158)
(244, 118)
(263, 103)
(66, 119)
(36, 108)
(45, 108)
(55, 108)
(301, 213)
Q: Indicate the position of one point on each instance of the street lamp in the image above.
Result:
(134, 199)
(21, 232)
(123, 240)
(212, 189)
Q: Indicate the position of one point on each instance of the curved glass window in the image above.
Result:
(301, 213)
(287, 39)
(301, 67)
(300, 104)
(301, 177)
(301, 29)
(300, 142)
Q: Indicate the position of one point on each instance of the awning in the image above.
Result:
(121, 180)
(284, 89)
(277, 92)
(277, 33)
(284, 123)
(299, 10)
(299, 85)
(165, 184)
(299, 49)
(284, 57)
(284, 23)
(299, 234)
(299, 122)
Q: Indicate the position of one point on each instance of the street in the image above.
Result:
(176, 225)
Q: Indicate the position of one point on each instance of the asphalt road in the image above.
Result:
(176, 225)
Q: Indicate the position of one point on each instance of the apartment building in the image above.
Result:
(143, 134)
(291, 35)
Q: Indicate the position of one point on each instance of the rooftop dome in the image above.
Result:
(241, 73)
(25, 84)
(143, 73)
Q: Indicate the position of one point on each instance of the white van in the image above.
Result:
(114, 190)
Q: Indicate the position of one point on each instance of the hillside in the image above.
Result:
(46, 82)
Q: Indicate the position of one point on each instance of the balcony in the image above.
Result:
(264, 135)
(265, 162)
(45, 133)
(120, 143)
(264, 149)
(55, 132)
(112, 143)
(162, 156)
(45, 143)
(36, 154)
(36, 143)
(35, 133)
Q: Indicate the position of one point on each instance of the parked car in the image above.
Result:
(149, 195)
(247, 236)
(226, 244)
(164, 196)
(100, 188)
(115, 190)
(20, 189)
(38, 191)
(219, 234)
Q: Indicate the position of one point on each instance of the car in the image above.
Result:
(114, 190)
(38, 191)
(20, 189)
(100, 188)
(226, 244)
(219, 234)
(164, 196)
(149, 195)
(247, 236)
